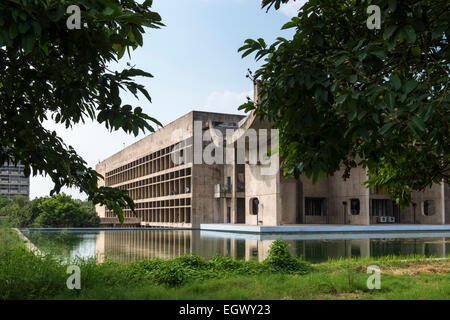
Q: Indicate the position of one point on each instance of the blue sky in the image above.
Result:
(195, 64)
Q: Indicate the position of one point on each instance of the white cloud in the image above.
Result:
(226, 101)
(291, 8)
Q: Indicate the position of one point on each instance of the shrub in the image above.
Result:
(225, 263)
(170, 273)
(280, 260)
(193, 261)
(24, 276)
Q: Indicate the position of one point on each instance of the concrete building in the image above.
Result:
(180, 177)
(13, 182)
(168, 193)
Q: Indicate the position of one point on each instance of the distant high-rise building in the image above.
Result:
(13, 181)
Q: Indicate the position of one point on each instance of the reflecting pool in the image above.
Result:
(132, 245)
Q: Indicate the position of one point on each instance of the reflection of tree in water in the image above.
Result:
(57, 243)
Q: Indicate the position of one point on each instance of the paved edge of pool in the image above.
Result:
(28, 244)
(100, 229)
(235, 228)
(321, 228)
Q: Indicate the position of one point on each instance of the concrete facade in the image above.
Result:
(167, 193)
(13, 182)
(187, 193)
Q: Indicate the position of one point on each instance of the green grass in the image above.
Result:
(25, 276)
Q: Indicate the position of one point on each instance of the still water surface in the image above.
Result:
(133, 245)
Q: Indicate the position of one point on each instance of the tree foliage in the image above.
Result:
(59, 211)
(4, 201)
(344, 95)
(50, 72)
(20, 211)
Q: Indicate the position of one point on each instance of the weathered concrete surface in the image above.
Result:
(115, 223)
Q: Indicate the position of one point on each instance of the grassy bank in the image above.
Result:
(25, 276)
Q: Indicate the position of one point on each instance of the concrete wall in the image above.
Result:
(205, 208)
(318, 190)
(267, 190)
(290, 200)
(343, 191)
(172, 133)
(436, 194)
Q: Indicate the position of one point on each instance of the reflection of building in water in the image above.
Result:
(100, 246)
(317, 250)
(135, 245)
(321, 250)
(86, 247)
(436, 247)
(128, 246)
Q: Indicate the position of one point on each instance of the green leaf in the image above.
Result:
(392, 5)
(379, 53)
(390, 99)
(340, 60)
(341, 99)
(409, 33)
(361, 115)
(362, 56)
(386, 128)
(291, 24)
(108, 11)
(57, 14)
(389, 31)
(419, 124)
(352, 115)
(375, 118)
(411, 127)
(353, 78)
(28, 43)
(409, 86)
(23, 27)
(396, 84)
(13, 31)
(37, 28)
(364, 133)
(426, 112)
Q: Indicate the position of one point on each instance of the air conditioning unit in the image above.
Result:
(382, 219)
(391, 219)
